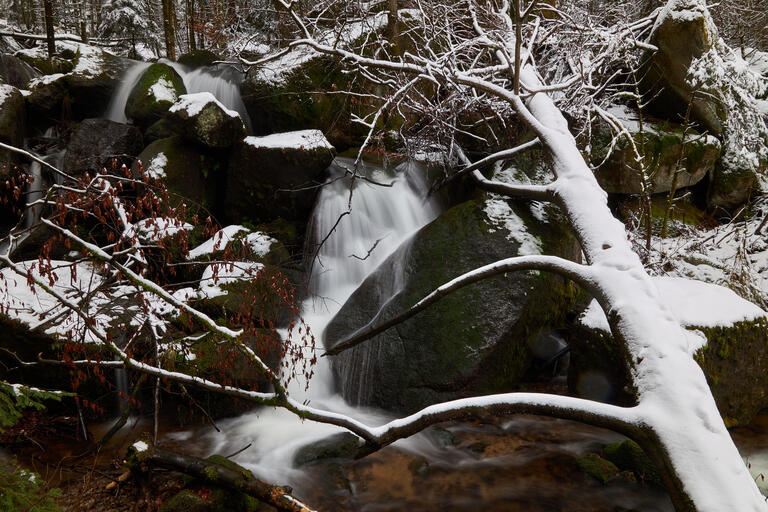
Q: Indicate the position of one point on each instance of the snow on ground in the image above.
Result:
(193, 104)
(154, 230)
(302, 139)
(217, 275)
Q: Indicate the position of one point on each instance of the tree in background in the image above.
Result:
(128, 19)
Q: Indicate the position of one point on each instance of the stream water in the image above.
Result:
(522, 463)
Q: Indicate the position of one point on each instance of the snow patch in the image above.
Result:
(193, 104)
(217, 242)
(156, 169)
(502, 216)
(140, 446)
(163, 90)
(302, 139)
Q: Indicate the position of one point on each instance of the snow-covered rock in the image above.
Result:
(277, 176)
(203, 119)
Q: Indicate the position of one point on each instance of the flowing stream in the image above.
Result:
(221, 82)
(380, 218)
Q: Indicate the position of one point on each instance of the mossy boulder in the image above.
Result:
(158, 88)
(598, 467)
(198, 58)
(477, 340)
(12, 123)
(46, 65)
(95, 143)
(296, 93)
(684, 31)
(628, 456)
(186, 501)
(202, 119)
(185, 168)
(161, 129)
(276, 177)
(667, 149)
(735, 180)
(734, 357)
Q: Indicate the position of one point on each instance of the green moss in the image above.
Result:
(142, 105)
(628, 456)
(185, 501)
(597, 467)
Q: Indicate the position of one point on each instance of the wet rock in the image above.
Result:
(158, 88)
(95, 143)
(628, 456)
(476, 340)
(668, 148)
(276, 177)
(596, 466)
(343, 445)
(203, 119)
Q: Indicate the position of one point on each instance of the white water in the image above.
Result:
(389, 215)
(222, 85)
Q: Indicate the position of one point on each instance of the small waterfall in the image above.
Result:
(381, 218)
(221, 82)
(116, 109)
(39, 186)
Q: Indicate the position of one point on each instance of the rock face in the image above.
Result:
(96, 142)
(668, 149)
(157, 89)
(684, 32)
(734, 356)
(81, 89)
(12, 122)
(266, 174)
(295, 93)
(198, 58)
(16, 72)
(735, 179)
(201, 118)
(184, 169)
(477, 340)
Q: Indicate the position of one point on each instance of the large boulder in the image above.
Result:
(683, 32)
(158, 88)
(274, 176)
(82, 88)
(16, 72)
(729, 343)
(300, 91)
(184, 168)
(12, 122)
(203, 119)
(737, 176)
(481, 339)
(669, 149)
(198, 58)
(96, 142)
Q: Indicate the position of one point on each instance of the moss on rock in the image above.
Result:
(157, 89)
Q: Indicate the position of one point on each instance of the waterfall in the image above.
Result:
(221, 82)
(116, 108)
(381, 218)
(38, 187)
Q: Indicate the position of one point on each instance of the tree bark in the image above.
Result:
(48, 6)
(215, 474)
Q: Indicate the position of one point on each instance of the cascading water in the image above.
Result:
(380, 219)
(221, 82)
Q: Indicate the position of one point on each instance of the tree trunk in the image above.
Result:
(191, 24)
(48, 6)
(169, 29)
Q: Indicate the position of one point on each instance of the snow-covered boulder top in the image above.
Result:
(201, 118)
(694, 303)
(302, 139)
(193, 104)
(259, 243)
